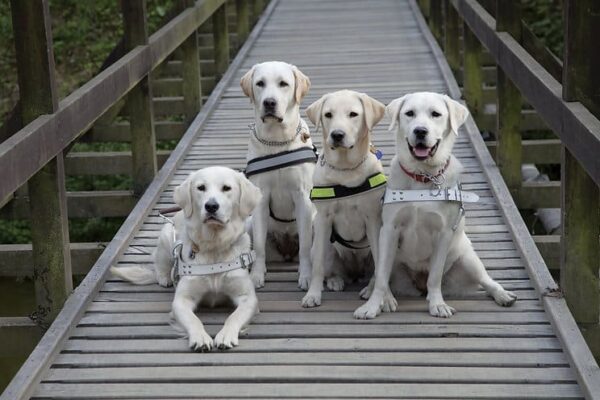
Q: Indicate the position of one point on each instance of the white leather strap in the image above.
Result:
(447, 194)
(196, 269)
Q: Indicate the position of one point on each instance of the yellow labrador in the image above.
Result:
(348, 186)
(427, 238)
(207, 235)
(285, 212)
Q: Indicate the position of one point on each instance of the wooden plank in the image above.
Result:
(105, 162)
(534, 195)
(48, 204)
(543, 151)
(119, 132)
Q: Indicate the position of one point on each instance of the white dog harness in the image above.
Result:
(442, 194)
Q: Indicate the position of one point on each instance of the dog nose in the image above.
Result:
(420, 132)
(270, 103)
(337, 135)
(211, 206)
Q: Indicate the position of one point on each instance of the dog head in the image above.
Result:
(347, 118)
(214, 197)
(427, 124)
(276, 90)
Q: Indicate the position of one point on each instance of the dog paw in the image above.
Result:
(164, 281)
(365, 292)
(311, 299)
(335, 283)
(304, 281)
(505, 298)
(441, 310)
(258, 278)
(390, 304)
(226, 339)
(369, 310)
(200, 341)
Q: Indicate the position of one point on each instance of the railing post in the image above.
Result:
(580, 200)
(47, 195)
(452, 38)
(472, 74)
(509, 103)
(257, 9)
(192, 85)
(436, 20)
(242, 20)
(139, 101)
(221, 40)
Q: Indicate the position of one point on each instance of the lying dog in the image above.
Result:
(285, 211)
(206, 237)
(427, 236)
(348, 186)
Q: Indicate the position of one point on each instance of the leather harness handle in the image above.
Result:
(169, 210)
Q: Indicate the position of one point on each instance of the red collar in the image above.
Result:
(425, 178)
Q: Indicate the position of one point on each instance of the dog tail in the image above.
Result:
(135, 275)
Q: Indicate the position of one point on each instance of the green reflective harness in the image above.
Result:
(319, 193)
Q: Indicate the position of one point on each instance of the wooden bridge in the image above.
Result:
(112, 339)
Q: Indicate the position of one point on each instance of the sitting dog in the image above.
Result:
(348, 186)
(281, 161)
(426, 236)
(206, 237)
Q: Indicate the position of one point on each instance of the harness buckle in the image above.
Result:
(246, 260)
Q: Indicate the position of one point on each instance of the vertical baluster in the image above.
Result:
(139, 101)
(242, 20)
(509, 103)
(221, 40)
(192, 86)
(257, 9)
(580, 200)
(436, 18)
(47, 195)
(472, 74)
(452, 38)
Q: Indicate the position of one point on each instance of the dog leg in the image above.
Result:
(304, 215)
(382, 299)
(260, 222)
(323, 227)
(437, 305)
(373, 228)
(183, 311)
(247, 307)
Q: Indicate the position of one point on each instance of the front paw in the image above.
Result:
(366, 292)
(200, 341)
(226, 338)
(258, 278)
(164, 280)
(390, 304)
(369, 310)
(335, 283)
(303, 281)
(311, 299)
(441, 310)
(505, 298)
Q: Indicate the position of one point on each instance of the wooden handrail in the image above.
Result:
(27, 151)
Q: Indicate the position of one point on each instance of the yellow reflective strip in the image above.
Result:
(377, 180)
(316, 193)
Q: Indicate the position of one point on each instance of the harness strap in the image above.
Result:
(285, 221)
(442, 194)
(335, 237)
(244, 261)
(338, 191)
(281, 160)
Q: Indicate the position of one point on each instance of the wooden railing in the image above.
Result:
(528, 73)
(36, 155)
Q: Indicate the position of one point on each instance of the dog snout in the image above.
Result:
(337, 135)
(211, 206)
(420, 132)
(270, 103)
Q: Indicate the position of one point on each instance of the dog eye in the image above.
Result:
(435, 114)
(283, 84)
(201, 188)
(353, 114)
(226, 188)
(410, 113)
(260, 84)
(328, 115)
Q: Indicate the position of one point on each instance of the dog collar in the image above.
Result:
(281, 160)
(338, 191)
(181, 268)
(275, 142)
(426, 178)
(446, 194)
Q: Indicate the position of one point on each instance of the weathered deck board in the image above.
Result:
(121, 345)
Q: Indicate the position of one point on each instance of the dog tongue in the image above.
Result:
(421, 151)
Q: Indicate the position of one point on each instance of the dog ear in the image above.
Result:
(373, 110)
(183, 197)
(393, 110)
(302, 84)
(314, 112)
(246, 84)
(250, 196)
(457, 114)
